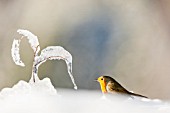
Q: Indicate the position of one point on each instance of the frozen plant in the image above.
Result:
(49, 53)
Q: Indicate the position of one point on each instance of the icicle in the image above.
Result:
(69, 69)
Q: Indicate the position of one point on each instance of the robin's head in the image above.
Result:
(103, 81)
(100, 79)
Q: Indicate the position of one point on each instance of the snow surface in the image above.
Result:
(42, 97)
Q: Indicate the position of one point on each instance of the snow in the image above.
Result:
(42, 97)
(43, 86)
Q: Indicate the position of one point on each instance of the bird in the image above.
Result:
(110, 85)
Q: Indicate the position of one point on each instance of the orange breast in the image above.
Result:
(103, 86)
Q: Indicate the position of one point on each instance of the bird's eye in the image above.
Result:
(101, 78)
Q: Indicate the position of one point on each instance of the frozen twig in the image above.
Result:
(49, 53)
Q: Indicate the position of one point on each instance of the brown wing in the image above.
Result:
(113, 85)
(116, 87)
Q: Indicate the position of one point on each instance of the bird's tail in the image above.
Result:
(134, 94)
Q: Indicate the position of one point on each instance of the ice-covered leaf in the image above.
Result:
(33, 40)
(57, 52)
(15, 53)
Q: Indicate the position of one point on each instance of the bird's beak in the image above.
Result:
(96, 80)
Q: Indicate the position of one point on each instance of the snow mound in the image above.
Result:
(23, 88)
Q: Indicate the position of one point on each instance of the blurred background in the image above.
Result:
(128, 40)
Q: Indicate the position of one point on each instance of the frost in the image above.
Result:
(56, 52)
(33, 40)
(15, 53)
(49, 53)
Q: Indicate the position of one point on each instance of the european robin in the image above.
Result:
(110, 85)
